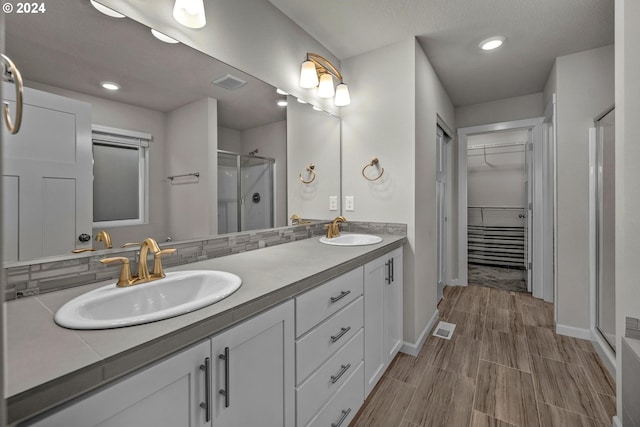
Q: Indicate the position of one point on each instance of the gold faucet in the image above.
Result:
(333, 229)
(296, 220)
(126, 279)
(104, 236)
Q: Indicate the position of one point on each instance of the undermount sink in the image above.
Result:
(352, 239)
(178, 293)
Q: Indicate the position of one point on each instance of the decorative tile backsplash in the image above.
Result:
(52, 274)
(632, 328)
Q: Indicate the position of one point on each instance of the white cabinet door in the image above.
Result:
(393, 306)
(383, 315)
(167, 394)
(375, 357)
(48, 174)
(253, 371)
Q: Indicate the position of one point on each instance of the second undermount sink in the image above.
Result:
(352, 239)
(178, 293)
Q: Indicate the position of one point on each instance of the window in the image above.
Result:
(120, 177)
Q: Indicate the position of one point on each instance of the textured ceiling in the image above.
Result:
(75, 47)
(449, 31)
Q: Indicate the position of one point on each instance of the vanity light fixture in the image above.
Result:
(318, 71)
(190, 13)
(492, 43)
(106, 10)
(110, 86)
(163, 37)
(282, 102)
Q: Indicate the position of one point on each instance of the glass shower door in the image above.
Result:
(245, 192)
(605, 228)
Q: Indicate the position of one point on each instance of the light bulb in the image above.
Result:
(190, 13)
(308, 75)
(342, 95)
(325, 88)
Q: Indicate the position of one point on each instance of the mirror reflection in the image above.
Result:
(185, 147)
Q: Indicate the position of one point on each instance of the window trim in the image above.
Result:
(127, 138)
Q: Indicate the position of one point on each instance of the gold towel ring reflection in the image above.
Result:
(373, 162)
(12, 75)
(310, 169)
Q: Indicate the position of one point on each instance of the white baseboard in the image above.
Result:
(604, 351)
(616, 422)
(571, 331)
(414, 348)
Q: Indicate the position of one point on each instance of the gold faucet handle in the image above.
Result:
(79, 251)
(158, 272)
(125, 271)
(126, 245)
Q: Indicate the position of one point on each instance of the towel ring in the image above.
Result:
(373, 162)
(310, 169)
(12, 74)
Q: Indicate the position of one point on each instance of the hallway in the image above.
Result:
(504, 366)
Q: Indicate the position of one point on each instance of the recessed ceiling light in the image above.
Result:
(492, 43)
(282, 103)
(163, 37)
(106, 10)
(281, 92)
(301, 101)
(317, 108)
(110, 85)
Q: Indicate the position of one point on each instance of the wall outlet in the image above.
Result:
(349, 204)
(333, 203)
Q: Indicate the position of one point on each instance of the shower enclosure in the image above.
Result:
(605, 226)
(245, 192)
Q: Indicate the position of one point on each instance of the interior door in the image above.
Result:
(47, 176)
(441, 197)
(528, 228)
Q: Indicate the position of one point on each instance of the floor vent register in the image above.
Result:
(444, 330)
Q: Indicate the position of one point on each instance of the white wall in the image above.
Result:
(252, 35)
(585, 87)
(627, 88)
(229, 139)
(192, 143)
(431, 101)
(313, 137)
(124, 116)
(503, 110)
(500, 179)
(271, 140)
(397, 123)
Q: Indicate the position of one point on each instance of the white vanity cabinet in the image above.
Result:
(329, 352)
(257, 378)
(383, 315)
(168, 393)
(253, 371)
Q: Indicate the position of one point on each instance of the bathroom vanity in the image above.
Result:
(302, 342)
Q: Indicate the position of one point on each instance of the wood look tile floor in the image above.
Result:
(504, 367)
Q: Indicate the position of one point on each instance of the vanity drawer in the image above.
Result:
(316, 305)
(319, 344)
(324, 383)
(344, 405)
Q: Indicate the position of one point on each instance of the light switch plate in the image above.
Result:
(333, 203)
(349, 204)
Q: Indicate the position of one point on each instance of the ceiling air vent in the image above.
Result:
(229, 82)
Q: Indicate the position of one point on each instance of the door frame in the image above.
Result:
(535, 125)
(443, 208)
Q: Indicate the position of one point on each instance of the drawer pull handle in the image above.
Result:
(392, 270)
(339, 297)
(206, 405)
(343, 369)
(225, 391)
(345, 414)
(343, 331)
(388, 275)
